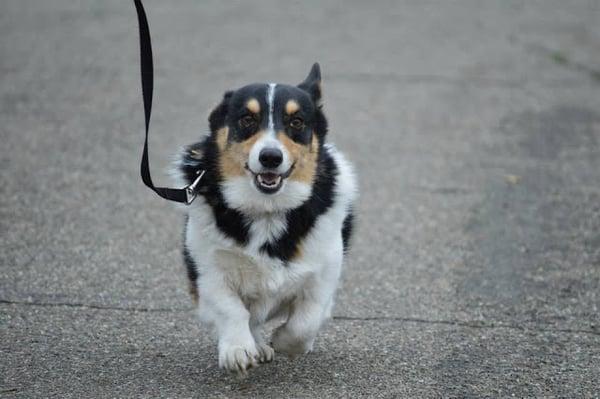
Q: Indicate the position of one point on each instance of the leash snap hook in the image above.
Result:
(190, 191)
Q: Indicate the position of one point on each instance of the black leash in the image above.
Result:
(184, 195)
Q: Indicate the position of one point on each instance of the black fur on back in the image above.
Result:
(190, 266)
(347, 229)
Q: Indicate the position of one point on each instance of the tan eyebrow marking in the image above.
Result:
(291, 107)
(253, 106)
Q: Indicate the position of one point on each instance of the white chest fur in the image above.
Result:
(248, 270)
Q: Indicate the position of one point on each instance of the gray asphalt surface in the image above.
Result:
(475, 129)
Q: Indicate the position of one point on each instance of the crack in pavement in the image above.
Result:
(460, 323)
(472, 324)
(560, 58)
(94, 306)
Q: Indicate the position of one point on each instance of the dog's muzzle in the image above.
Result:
(270, 182)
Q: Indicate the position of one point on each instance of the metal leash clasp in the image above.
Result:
(190, 191)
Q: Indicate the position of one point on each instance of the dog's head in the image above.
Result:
(269, 137)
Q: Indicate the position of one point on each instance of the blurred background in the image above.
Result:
(475, 131)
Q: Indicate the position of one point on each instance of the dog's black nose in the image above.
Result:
(270, 157)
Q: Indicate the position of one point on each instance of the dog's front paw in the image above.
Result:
(265, 353)
(292, 345)
(238, 358)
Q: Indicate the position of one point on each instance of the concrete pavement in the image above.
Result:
(475, 129)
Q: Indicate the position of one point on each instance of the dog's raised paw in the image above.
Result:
(238, 359)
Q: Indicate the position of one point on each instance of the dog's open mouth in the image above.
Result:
(268, 182)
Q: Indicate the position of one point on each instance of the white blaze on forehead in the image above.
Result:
(269, 140)
(270, 101)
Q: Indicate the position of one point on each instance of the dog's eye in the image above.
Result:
(247, 121)
(297, 123)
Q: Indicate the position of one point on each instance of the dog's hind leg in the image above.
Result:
(297, 335)
(307, 313)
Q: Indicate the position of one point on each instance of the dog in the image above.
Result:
(266, 237)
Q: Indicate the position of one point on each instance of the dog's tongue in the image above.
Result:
(269, 178)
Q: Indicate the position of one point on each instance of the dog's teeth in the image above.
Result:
(271, 183)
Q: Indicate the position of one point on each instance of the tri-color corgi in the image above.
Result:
(267, 234)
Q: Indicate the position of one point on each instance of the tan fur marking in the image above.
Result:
(304, 157)
(193, 292)
(222, 135)
(291, 107)
(298, 252)
(253, 106)
(234, 156)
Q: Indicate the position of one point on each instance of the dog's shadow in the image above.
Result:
(194, 369)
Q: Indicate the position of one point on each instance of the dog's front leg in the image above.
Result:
(265, 352)
(222, 306)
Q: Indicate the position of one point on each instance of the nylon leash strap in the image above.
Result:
(184, 195)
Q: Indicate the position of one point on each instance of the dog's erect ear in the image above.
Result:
(216, 119)
(312, 83)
